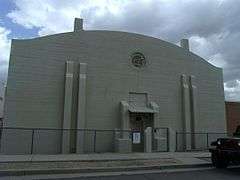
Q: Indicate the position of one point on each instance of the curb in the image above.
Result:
(92, 160)
(85, 160)
(119, 157)
(24, 172)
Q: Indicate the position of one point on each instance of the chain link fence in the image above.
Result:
(160, 140)
(196, 141)
(49, 141)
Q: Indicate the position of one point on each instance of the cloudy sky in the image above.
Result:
(212, 26)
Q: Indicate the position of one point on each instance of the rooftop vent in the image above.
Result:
(78, 24)
(184, 44)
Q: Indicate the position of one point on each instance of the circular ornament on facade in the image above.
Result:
(138, 60)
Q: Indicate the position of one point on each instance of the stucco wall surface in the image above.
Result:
(35, 89)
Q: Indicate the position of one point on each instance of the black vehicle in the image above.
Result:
(226, 150)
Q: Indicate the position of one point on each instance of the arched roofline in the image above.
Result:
(123, 32)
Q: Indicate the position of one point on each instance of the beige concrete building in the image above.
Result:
(110, 80)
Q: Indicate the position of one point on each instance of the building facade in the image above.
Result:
(110, 80)
(232, 116)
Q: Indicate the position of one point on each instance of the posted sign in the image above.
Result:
(136, 138)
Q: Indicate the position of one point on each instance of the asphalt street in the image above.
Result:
(210, 174)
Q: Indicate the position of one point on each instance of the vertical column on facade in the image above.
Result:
(123, 142)
(148, 140)
(124, 119)
(67, 107)
(193, 95)
(155, 107)
(81, 117)
(186, 113)
(158, 137)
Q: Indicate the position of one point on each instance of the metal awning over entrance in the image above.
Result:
(140, 109)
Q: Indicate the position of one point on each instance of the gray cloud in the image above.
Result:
(214, 23)
(211, 25)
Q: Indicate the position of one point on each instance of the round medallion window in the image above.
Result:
(138, 59)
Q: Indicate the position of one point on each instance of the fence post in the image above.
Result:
(207, 141)
(94, 145)
(167, 139)
(176, 141)
(32, 141)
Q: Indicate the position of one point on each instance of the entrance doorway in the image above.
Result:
(138, 123)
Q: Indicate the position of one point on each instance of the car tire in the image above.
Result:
(219, 160)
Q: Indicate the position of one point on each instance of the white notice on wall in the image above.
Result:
(136, 138)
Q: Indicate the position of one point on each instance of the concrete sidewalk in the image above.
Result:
(107, 162)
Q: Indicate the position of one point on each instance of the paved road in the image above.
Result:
(211, 174)
(180, 174)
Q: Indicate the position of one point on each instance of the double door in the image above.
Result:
(138, 123)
